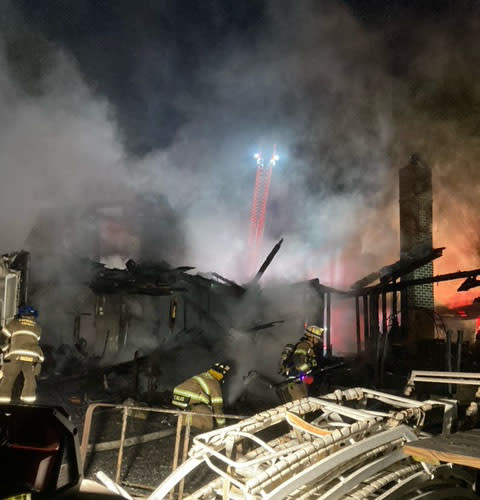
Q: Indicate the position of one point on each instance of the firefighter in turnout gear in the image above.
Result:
(298, 361)
(22, 354)
(203, 394)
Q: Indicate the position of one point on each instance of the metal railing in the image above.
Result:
(183, 420)
(441, 377)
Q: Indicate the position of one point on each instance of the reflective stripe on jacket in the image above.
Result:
(304, 357)
(24, 334)
(200, 389)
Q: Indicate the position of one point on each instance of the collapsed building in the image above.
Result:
(116, 300)
(114, 310)
(125, 282)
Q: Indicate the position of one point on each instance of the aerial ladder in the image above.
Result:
(259, 207)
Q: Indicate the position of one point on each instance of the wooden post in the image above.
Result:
(374, 329)
(329, 338)
(404, 313)
(186, 443)
(394, 308)
(384, 313)
(382, 340)
(366, 328)
(357, 317)
(448, 356)
(448, 351)
(177, 449)
(122, 441)
(459, 350)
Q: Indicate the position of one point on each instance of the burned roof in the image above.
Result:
(400, 268)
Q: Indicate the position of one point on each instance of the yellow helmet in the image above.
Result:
(314, 331)
(219, 370)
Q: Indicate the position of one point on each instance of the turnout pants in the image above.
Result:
(296, 390)
(203, 423)
(11, 370)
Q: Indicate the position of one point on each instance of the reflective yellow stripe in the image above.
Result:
(6, 332)
(192, 395)
(179, 404)
(182, 392)
(202, 384)
(302, 367)
(220, 421)
(28, 322)
(300, 351)
(218, 400)
(25, 332)
(20, 352)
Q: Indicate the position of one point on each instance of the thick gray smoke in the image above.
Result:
(344, 109)
(57, 151)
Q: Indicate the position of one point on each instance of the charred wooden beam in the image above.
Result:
(267, 262)
(470, 282)
(406, 266)
(370, 278)
(263, 326)
(390, 287)
(321, 289)
(398, 269)
(240, 290)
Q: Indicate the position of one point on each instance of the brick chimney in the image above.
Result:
(416, 238)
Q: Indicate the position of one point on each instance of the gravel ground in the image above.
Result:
(146, 464)
(143, 464)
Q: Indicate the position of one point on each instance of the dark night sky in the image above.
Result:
(146, 56)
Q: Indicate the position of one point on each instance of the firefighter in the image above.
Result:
(300, 360)
(21, 354)
(203, 394)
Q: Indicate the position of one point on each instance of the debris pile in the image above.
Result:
(346, 444)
